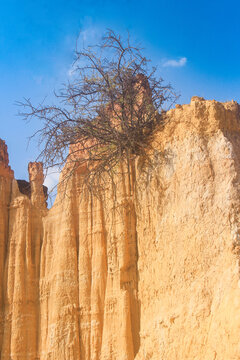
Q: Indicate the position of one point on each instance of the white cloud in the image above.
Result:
(89, 35)
(71, 70)
(175, 63)
(52, 178)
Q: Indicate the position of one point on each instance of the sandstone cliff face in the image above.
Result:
(6, 176)
(149, 269)
(188, 237)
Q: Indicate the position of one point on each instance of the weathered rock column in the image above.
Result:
(6, 176)
(21, 295)
(36, 179)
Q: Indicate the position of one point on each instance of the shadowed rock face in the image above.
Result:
(25, 188)
(149, 269)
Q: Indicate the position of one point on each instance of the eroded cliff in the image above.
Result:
(148, 269)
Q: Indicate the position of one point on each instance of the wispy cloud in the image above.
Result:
(52, 178)
(89, 35)
(71, 70)
(175, 63)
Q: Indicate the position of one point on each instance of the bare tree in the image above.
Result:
(107, 114)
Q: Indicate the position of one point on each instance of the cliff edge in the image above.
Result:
(148, 269)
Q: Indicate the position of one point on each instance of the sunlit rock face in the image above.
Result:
(23, 234)
(6, 176)
(148, 269)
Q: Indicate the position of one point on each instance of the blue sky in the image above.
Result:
(195, 45)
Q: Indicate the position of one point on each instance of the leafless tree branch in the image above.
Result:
(107, 114)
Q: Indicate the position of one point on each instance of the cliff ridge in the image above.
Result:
(148, 269)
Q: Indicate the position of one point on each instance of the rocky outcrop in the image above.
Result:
(147, 269)
(20, 290)
(6, 176)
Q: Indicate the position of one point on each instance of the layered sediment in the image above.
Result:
(147, 269)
